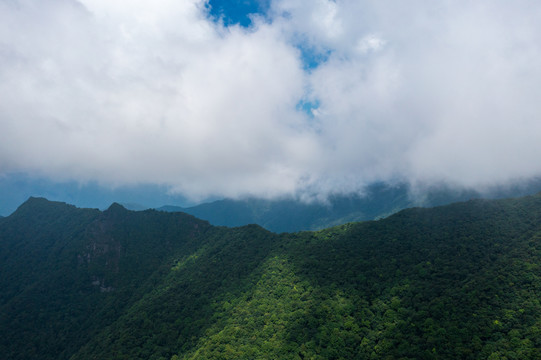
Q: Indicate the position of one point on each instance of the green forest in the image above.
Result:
(461, 281)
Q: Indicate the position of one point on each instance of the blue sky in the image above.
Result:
(183, 101)
(237, 11)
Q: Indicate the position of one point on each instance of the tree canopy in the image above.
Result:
(461, 281)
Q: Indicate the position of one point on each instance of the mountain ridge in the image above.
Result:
(455, 281)
(379, 200)
(85, 252)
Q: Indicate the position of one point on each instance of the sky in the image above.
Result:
(195, 100)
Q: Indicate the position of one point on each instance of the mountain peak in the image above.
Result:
(36, 200)
(40, 202)
(116, 208)
(41, 205)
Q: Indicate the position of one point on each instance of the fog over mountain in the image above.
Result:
(301, 98)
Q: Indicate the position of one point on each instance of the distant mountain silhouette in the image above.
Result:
(379, 200)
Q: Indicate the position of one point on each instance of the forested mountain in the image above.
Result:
(65, 273)
(378, 200)
(461, 281)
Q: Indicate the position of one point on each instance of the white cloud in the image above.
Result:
(151, 93)
(369, 43)
(155, 92)
(436, 91)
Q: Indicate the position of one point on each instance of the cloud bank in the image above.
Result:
(315, 97)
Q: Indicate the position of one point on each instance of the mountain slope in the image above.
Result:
(462, 281)
(458, 281)
(67, 272)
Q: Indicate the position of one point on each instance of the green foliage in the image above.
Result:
(455, 282)
(66, 273)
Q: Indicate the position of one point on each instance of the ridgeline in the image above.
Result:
(461, 281)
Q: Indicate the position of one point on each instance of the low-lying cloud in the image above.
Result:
(160, 93)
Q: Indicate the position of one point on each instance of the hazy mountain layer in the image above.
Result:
(456, 282)
(379, 200)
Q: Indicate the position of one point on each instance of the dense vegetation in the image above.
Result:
(456, 282)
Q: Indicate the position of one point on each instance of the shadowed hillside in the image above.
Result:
(461, 281)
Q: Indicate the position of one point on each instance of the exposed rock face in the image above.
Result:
(102, 246)
(103, 251)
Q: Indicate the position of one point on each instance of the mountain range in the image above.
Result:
(461, 281)
(378, 200)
